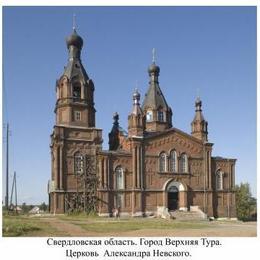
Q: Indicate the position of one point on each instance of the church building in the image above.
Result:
(153, 167)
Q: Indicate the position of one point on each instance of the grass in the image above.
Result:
(137, 224)
(49, 225)
(22, 225)
(14, 226)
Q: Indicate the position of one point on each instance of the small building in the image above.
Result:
(35, 210)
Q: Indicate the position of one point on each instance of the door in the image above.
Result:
(173, 198)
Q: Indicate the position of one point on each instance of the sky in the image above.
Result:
(205, 51)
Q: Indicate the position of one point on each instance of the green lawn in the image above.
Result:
(81, 224)
(122, 225)
(24, 225)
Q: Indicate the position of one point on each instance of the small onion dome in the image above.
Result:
(74, 40)
(198, 104)
(116, 117)
(136, 95)
(153, 68)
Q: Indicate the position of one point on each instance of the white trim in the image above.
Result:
(219, 177)
(179, 185)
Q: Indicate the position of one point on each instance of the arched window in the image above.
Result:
(119, 178)
(162, 162)
(173, 161)
(219, 180)
(232, 181)
(160, 116)
(76, 91)
(184, 163)
(78, 163)
(149, 116)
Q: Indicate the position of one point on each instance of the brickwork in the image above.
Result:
(152, 166)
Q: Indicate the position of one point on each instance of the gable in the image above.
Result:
(173, 139)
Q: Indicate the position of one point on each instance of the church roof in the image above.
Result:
(74, 67)
(220, 158)
(172, 130)
(198, 115)
(154, 97)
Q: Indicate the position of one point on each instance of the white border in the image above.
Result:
(31, 248)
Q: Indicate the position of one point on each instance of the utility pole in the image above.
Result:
(15, 193)
(7, 167)
(14, 189)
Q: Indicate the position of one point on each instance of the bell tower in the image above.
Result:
(158, 113)
(75, 140)
(75, 91)
(136, 120)
(199, 126)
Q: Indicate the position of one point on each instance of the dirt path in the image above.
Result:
(215, 229)
(67, 227)
(227, 231)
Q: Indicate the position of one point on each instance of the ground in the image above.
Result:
(63, 225)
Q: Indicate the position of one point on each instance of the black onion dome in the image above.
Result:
(198, 102)
(153, 68)
(75, 40)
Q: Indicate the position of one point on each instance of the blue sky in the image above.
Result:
(212, 49)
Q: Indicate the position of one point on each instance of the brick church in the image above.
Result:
(151, 168)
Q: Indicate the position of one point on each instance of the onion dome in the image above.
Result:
(136, 96)
(198, 104)
(116, 118)
(74, 40)
(153, 68)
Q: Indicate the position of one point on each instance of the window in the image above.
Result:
(162, 162)
(77, 116)
(232, 176)
(149, 116)
(119, 178)
(184, 163)
(160, 116)
(76, 91)
(173, 161)
(219, 180)
(78, 163)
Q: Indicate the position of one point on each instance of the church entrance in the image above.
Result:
(173, 198)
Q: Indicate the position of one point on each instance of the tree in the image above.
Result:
(245, 203)
(43, 206)
(24, 207)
